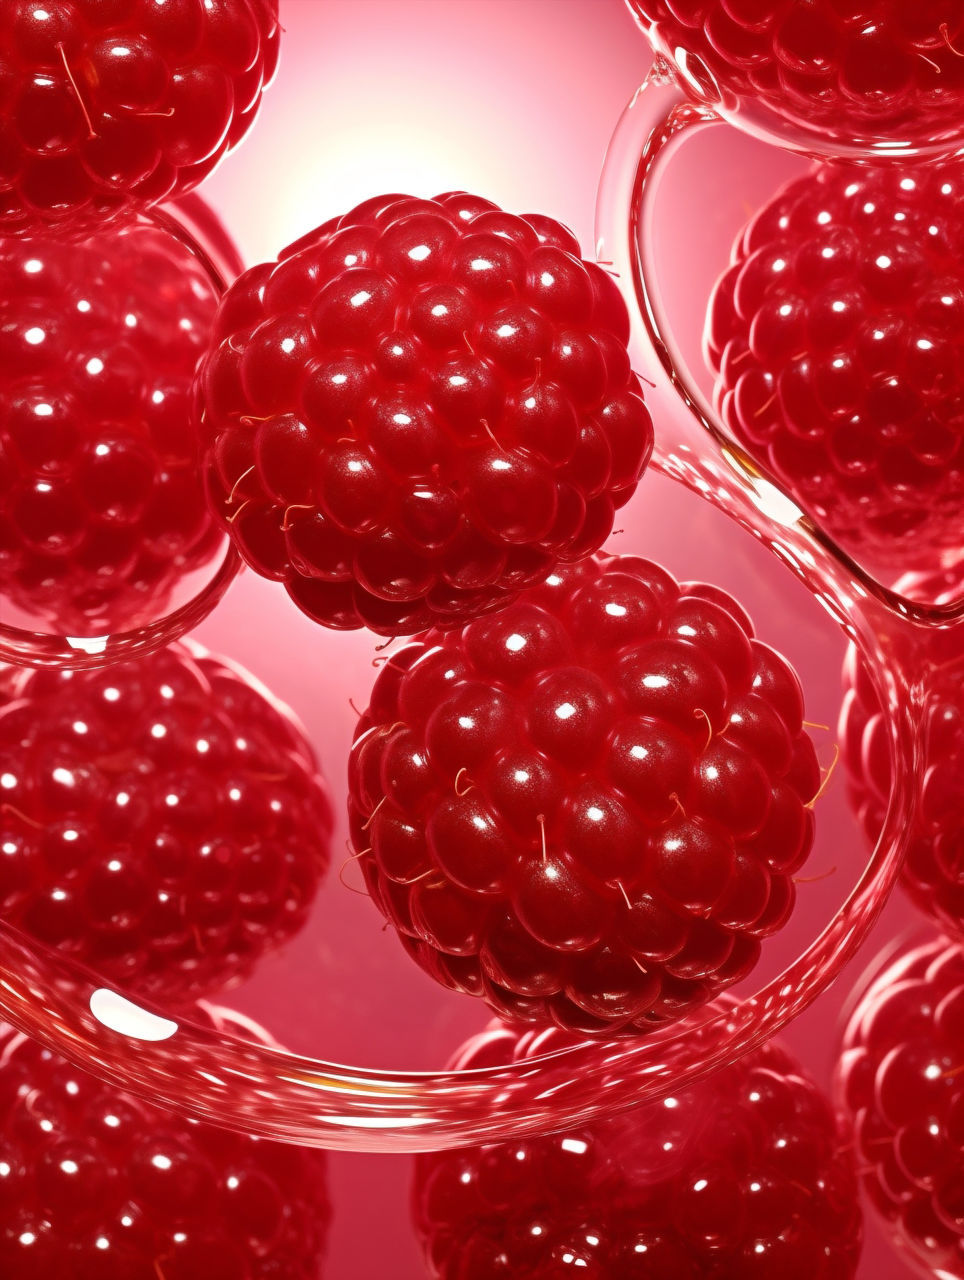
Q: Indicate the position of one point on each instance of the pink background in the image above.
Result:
(514, 99)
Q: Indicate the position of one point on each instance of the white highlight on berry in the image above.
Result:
(35, 335)
(575, 1145)
(119, 1014)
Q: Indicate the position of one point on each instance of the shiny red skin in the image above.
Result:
(109, 106)
(587, 809)
(162, 820)
(96, 1184)
(837, 338)
(933, 870)
(102, 509)
(848, 72)
(745, 1175)
(899, 1078)
(419, 409)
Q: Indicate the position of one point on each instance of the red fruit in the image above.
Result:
(97, 1184)
(162, 820)
(102, 510)
(899, 1077)
(419, 410)
(884, 76)
(933, 870)
(837, 336)
(589, 807)
(742, 1176)
(107, 107)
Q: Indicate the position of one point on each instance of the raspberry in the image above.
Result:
(899, 1077)
(933, 869)
(587, 808)
(97, 1183)
(107, 106)
(884, 76)
(742, 1176)
(837, 335)
(419, 409)
(102, 510)
(162, 820)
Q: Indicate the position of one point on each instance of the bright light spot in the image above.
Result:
(167, 691)
(565, 710)
(521, 776)
(112, 1122)
(359, 299)
(838, 306)
(112, 694)
(128, 1019)
(638, 752)
(712, 772)
(43, 410)
(63, 776)
(655, 682)
(203, 746)
(83, 305)
(481, 264)
(8, 781)
(616, 610)
(924, 344)
(70, 1166)
(419, 253)
(500, 464)
(594, 813)
(131, 320)
(671, 1103)
(234, 793)
(35, 335)
(883, 261)
(457, 380)
(114, 865)
(686, 630)
(932, 1071)
(401, 419)
(547, 280)
(355, 466)
(506, 331)
(28, 1237)
(515, 642)
(700, 1185)
(575, 1145)
(439, 310)
(233, 1182)
(158, 731)
(94, 365)
(171, 800)
(32, 266)
(288, 345)
(121, 799)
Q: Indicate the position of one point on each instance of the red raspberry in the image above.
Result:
(108, 106)
(419, 409)
(97, 1184)
(837, 335)
(102, 510)
(884, 76)
(162, 820)
(742, 1176)
(587, 808)
(899, 1076)
(933, 870)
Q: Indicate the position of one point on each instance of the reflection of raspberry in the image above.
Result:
(101, 507)
(877, 70)
(95, 1183)
(587, 808)
(162, 820)
(742, 1176)
(838, 338)
(419, 410)
(899, 1076)
(106, 109)
(933, 870)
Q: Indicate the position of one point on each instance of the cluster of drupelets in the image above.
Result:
(583, 790)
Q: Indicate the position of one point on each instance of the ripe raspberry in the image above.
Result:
(899, 1076)
(102, 510)
(107, 107)
(742, 1176)
(933, 870)
(882, 75)
(419, 409)
(837, 335)
(162, 820)
(97, 1184)
(589, 807)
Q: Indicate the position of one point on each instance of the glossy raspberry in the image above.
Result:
(837, 336)
(419, 409)
(108, 106)
(899, 1077)
(882, 75)
(102, 510)
(588, 808)
(162, 820)
(743, 1176)
(933, 870)
(96, 1184)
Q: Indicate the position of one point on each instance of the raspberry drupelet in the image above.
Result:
(109, 106)
(419, 409)
(161, 820)
(899, 1077)
(886, 76)
(933, 870)
(742, 1176)
(96, 1183)
(588, 808)
(837, 339)
(102, 509)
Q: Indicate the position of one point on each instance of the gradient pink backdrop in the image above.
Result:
(514, 99)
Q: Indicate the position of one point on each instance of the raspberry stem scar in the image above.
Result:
(240, 480)
(465, 790)
(946, 37)
(293, 506)
(91, 131)
(541, 819)
(709, 726)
